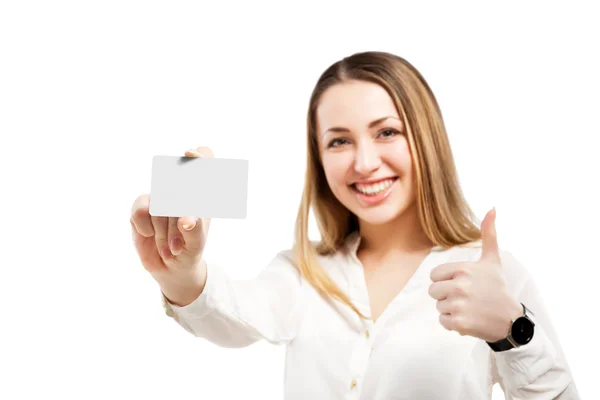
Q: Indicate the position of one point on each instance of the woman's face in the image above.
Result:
(364, 150)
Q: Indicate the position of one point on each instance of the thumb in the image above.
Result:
(490, 250)
(194, 232)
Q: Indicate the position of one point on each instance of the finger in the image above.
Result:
(489, 238)
(146, 250)
(161, 229)
(440, 290)
(205, 151)
(140, 217)
(199, 152)
(448, 289)
(445, 271)
(446, 321)
(174, 236)
(450, 306)
(193, 232)
(443, 306)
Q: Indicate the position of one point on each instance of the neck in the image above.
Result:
(402, 235)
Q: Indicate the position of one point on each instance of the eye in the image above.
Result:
(389, 132)
(336, 142)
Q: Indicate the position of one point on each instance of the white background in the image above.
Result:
(90, 91)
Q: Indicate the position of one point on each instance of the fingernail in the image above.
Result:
(175, 245)
(188, 227)
(165, 251)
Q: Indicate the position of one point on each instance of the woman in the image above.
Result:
(404, 297)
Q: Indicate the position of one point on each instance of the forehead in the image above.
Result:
(353, 104)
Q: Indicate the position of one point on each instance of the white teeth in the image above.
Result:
(374, 188)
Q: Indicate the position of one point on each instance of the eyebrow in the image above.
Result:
(372, 124)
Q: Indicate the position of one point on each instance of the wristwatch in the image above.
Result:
(521, 332)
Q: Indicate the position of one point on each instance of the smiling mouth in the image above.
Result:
(373, 189)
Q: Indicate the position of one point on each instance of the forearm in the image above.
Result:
(237, 313)
(536, 370)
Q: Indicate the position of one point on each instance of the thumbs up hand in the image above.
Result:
(472, 297)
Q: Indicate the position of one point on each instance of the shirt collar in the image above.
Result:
(353, 241)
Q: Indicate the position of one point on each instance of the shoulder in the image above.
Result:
(289, 256)
(285, 263)
(281, 265)
(285, 256)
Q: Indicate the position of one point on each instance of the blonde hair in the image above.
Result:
(443, 211)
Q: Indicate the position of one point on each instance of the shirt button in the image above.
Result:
(353, 384)
(367, 334)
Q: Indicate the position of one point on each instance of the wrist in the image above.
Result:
(521, 331)
(513, 310)
(182, 287)
(516, 310)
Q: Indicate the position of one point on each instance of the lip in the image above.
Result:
(373, 200)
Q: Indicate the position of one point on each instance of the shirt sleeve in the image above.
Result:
(539, 369)
(238, 313)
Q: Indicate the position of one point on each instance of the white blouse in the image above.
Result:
(405, 355)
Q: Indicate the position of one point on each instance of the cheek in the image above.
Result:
(399, 157)
(336, 168)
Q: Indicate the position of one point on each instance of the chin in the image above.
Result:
(377, 217)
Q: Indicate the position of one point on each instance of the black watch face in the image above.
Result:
(522, 330)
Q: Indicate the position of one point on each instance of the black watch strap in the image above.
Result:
(501, 345)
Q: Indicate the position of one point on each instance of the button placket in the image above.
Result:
(369, 334)
(353, 384)
(360, 357)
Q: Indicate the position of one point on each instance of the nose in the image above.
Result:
(367, 158)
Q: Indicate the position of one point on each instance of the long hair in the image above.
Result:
(443, 211)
